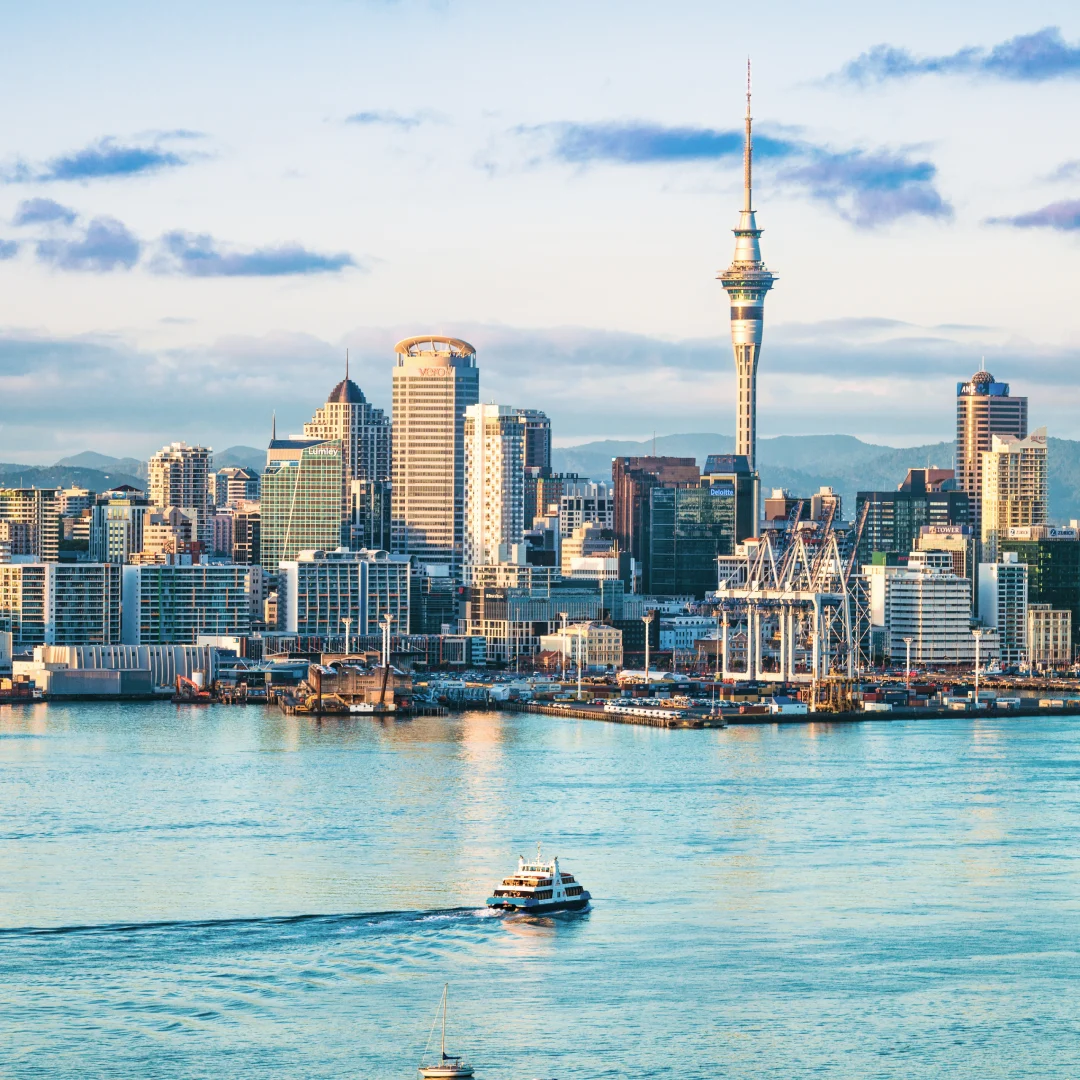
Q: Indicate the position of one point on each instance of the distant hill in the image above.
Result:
(240, 457)
(89, 459)
(803, 463)
(52, 476)
(247, 457)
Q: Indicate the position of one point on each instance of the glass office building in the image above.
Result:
(301, 501)
(687, 529)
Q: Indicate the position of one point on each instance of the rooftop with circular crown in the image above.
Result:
(434, 351)
(346, 393)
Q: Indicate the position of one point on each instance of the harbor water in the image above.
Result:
(235, 894)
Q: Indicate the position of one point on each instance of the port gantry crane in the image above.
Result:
(792, 606)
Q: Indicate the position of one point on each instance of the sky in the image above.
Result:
(203, 206)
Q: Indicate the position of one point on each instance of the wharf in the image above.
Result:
(592, 712)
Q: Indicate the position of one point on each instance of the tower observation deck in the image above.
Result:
(746, 281)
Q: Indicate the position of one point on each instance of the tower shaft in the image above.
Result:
(746, 281)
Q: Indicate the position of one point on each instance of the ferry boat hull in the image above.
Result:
(528, 906)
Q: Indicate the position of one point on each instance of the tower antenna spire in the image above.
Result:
(273, 425)
(748, 149)
(346, 365)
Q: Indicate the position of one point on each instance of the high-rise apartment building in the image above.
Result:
(435, 380)
(1014, 488)
(1003, 601)
(116, 524)
(179, 475)
(362, 430)
(320, 589)
(300, 506)
(60, 603)
(537, 438)
(632, 478)
(175, 604)
(495, 441)
(30, 522)
(983, 409)
(746, 281)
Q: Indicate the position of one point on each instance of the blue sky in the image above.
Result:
(202, 206)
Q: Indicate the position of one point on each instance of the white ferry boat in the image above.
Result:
(539, 887)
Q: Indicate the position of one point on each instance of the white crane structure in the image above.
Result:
(792, 606)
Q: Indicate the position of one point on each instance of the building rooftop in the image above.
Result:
(346, 393)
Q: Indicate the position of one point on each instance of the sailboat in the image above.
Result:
(448, 1066)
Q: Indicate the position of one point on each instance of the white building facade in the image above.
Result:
(1003, 604)
(494, 481)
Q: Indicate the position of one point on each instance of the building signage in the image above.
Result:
(722, 491)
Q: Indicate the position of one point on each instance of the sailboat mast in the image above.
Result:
(445, 991)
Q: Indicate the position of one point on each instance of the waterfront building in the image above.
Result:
(433, 598)
(1049, 637)
(175, 604)
(362, 431)
(729, 476)
(513, 620)
(596, 646)
(923, 601)
(434, 381)
(511, 574)
(494, 481)
(632, 478)
(537, 438)
(746, 281)
(680, 633)
(318, 590)
(895, 519)
(116, 524)
(1014, 488)
(179, 475)
(1052, 556)
(1003, 602)
(60, 603)
(231, 486)
(959, 541)
(300, 507)
(984, 409)
(688, 528)
(585, 501)
(30, 522)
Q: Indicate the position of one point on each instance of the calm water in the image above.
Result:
(230, 893)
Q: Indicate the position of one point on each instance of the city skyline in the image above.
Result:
(583, 218)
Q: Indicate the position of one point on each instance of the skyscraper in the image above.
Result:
(1014, 488)
(983, 409)
(362, 430)
(746, 281)
(632, 478)
(30, 522)
(537, 438)
(301, 499)
(179, 475)
(495, 440)
(435, 380)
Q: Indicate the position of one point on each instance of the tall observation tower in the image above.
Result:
(746, 281)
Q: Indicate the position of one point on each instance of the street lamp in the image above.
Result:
(977, 635)
(907, 669)
(717, 679)
(347, 620)
(387, 619)
(647, 620)
(562, 651)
